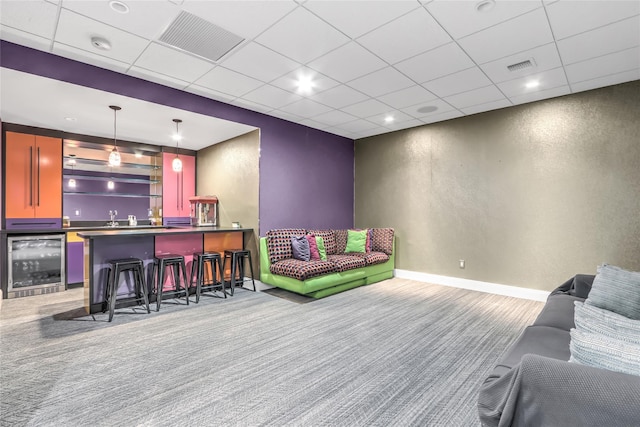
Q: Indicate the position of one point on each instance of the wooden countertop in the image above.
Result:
(157, 231)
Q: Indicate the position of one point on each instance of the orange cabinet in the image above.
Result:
(177, 187)
(33, 176)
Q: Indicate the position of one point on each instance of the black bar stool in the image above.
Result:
(199, 268)
(118, 266)
(176, 263)
(237, 258)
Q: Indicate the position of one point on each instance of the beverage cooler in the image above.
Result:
(36, 264)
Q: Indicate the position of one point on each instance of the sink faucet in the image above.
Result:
(112, 215)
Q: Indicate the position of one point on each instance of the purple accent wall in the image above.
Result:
(97, 207)
(75, 262)
(306, 175)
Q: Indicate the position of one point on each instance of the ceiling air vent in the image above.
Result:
(521, 65)
(200, 37)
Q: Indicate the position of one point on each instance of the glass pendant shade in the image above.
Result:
(114, 157)
(176, 165)
(110, 185)
(72, 183)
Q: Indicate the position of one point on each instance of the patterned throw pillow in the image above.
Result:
(603, 352)
(616, 290)
(341, 241)
(328, 238)
(382, 240)
(279, 243)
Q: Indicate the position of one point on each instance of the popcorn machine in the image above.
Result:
(204, 210)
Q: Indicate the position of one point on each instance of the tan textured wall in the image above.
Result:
(229, 170)
(527, 196)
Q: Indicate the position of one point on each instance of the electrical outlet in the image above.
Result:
(461, 263)
(77, 212)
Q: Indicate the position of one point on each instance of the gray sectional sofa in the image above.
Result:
(535, 385)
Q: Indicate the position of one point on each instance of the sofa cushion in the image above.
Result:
(341, 241)
(372, 258)
(322, 251)
(356, 241)
(597, 320)
(313, 247)
(346, 262)
(300, 248)
(558, 312)
(302, 270)
(329, 239)
(616, 290)
(279, 242)
(382, 240)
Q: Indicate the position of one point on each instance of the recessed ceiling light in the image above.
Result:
(427, 109)
(532, 84)
(71, 119)
(305, 84)
(100, 43)
(485, 5)
(118, 6)
(389, 119)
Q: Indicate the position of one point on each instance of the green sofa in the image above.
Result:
(319, 285)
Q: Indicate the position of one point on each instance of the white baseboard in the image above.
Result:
(474, 285)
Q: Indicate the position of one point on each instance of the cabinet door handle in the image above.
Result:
(38, 179)
(30, 176)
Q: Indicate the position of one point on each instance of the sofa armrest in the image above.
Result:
(541, 391)
(265, 261)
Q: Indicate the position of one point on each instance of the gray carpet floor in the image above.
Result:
(394, 353)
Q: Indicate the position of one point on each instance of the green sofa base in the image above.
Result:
(327, 284)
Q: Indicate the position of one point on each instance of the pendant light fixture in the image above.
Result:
(176, 165)
(114, 157)
(72, 162)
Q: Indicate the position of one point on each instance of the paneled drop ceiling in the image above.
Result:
(374, 66)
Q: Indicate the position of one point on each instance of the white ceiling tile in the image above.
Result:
(156, 77)
(436, 63)
(380, 82)
(404, 37)
(540, 95)
(475, 97)
(367, 108)
(371, 14)
(614, 63)
(334, 117)
(516, 35)
(305, 108)
(347, 63)
(440, 105)
(286, 116)
(244, 18)
(37, 18)
(228, 81)
(372, 132)
(359, 125)
(612, 79)
(397, 116)
(547, 79)
(608, 39)
(442, 117)
(319, 81)
(339, 96)
(405, 97)
(23, 38)
(259, 62)
(544, 58)
(572, 17)
(145, 18)
(89, 57)
(495, 105)
(76, 31)
(459, 82)
(271, 96)
(313, 124)
(460, 18)
(302, 36)
(411, 123)
(173, 63)
(209, 93)
(238, 102)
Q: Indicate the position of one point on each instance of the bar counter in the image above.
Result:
(100, 246)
